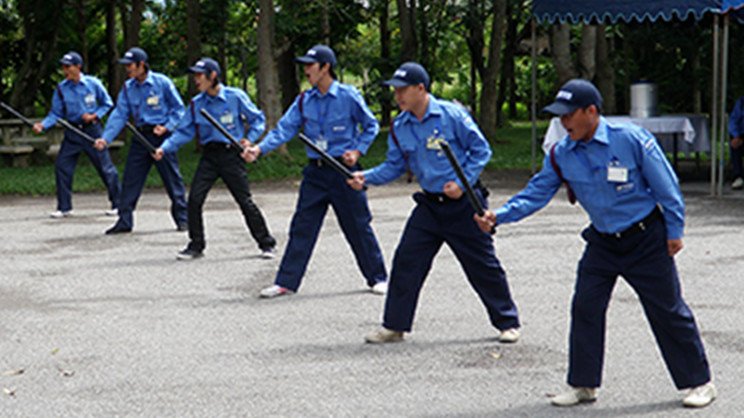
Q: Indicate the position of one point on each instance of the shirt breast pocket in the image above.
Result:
(629, 183)
(340, 128)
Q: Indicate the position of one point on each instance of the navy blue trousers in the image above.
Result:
(735, 156)
(643, 260)
(64, 166)
(323, 186)
(139, 162)
(431, 224)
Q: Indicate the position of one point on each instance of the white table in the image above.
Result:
(691, 129)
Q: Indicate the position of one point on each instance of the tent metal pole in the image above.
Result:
(533, 110)
(714, 111)
(722, 107)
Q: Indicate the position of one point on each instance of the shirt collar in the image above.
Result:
(332, 90)
(600, 135)
(72, 83)
(433, 109)
(148, 79)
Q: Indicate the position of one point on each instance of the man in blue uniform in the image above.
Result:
(736, 132)
(442, 214)
(618, 173)
(336, 117)
(83, 101)
(155, 106)
(233, 109)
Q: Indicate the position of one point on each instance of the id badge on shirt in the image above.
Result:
(153, 101)
(322, 143)
(227, 118)
(617, 174)
(90, 99)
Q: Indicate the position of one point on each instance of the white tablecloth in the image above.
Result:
(691, 131)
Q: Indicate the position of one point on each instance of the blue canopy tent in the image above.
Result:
(614, 11)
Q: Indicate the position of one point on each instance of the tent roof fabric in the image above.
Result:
(612, 11)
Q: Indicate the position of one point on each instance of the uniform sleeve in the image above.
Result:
(541, 188)
(55, 113)
(118, 118)
(472, 140)
(184, 133)
(392, 168)
(365, 118)
(663, 184)
(736, 119)
(254, 115)
(103, 99)
(175, 105)
(285, 130)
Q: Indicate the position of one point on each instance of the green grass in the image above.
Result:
(511, 150)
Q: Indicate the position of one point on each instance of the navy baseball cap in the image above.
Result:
(318, 53)
(409, 74)
(133, 55)
(575, 94)
(205, 66)
(71, 58)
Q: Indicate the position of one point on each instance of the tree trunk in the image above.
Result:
(112, 54)
(507, 75)
(605, 72)
(193, 38)
(82, 36)
(491, 72)
(407, 22)
(325, 22)
(474, 17)
(560, 39)
(287, 70)
(588, 52)
(40, 27)
(268, 82)
(222, 45)
(131, 21)
(385, 62)
(424, 40)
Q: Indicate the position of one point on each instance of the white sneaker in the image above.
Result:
(379, 288)
(509, 336)
(274, 291)
(700, 396)
(384, 335)
(574, 396)
(268, 254)
(738, 183)
(112, 212)
(58, 214)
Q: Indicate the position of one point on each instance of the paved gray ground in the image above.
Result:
(145, 335)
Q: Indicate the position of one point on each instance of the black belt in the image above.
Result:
(442, 198)
(319, 162)
(146, 129)
(637, 227)
(216, 146)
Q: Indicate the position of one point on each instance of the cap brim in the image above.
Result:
(196, 69)
(394, 82)
(66, 62)
(306, 60)
(125, 60)
(559, 108)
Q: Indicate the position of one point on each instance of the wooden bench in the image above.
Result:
(113, 148)
(16, 155)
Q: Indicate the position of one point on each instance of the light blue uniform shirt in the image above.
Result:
(332, 120)
(86, 96)
(613, 206)
(736, 119)
(155, 101)
(418, 140)
(231, 107)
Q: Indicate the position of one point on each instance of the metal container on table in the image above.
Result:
(643, 100)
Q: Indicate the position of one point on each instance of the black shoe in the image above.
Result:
(182, 227)
(189, 253)
(118, 229)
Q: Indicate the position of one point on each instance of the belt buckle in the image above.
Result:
(319, 162)
(440, 198)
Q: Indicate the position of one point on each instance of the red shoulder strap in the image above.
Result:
(302, 112)
(196, 126)
(62, 99)
(409, 173)
(557, 169)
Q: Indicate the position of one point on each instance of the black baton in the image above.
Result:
(469, 192)
(221, 128)
(16, 114)
(327, 158)
(141, 138)
(75, 129)
(63, 122)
